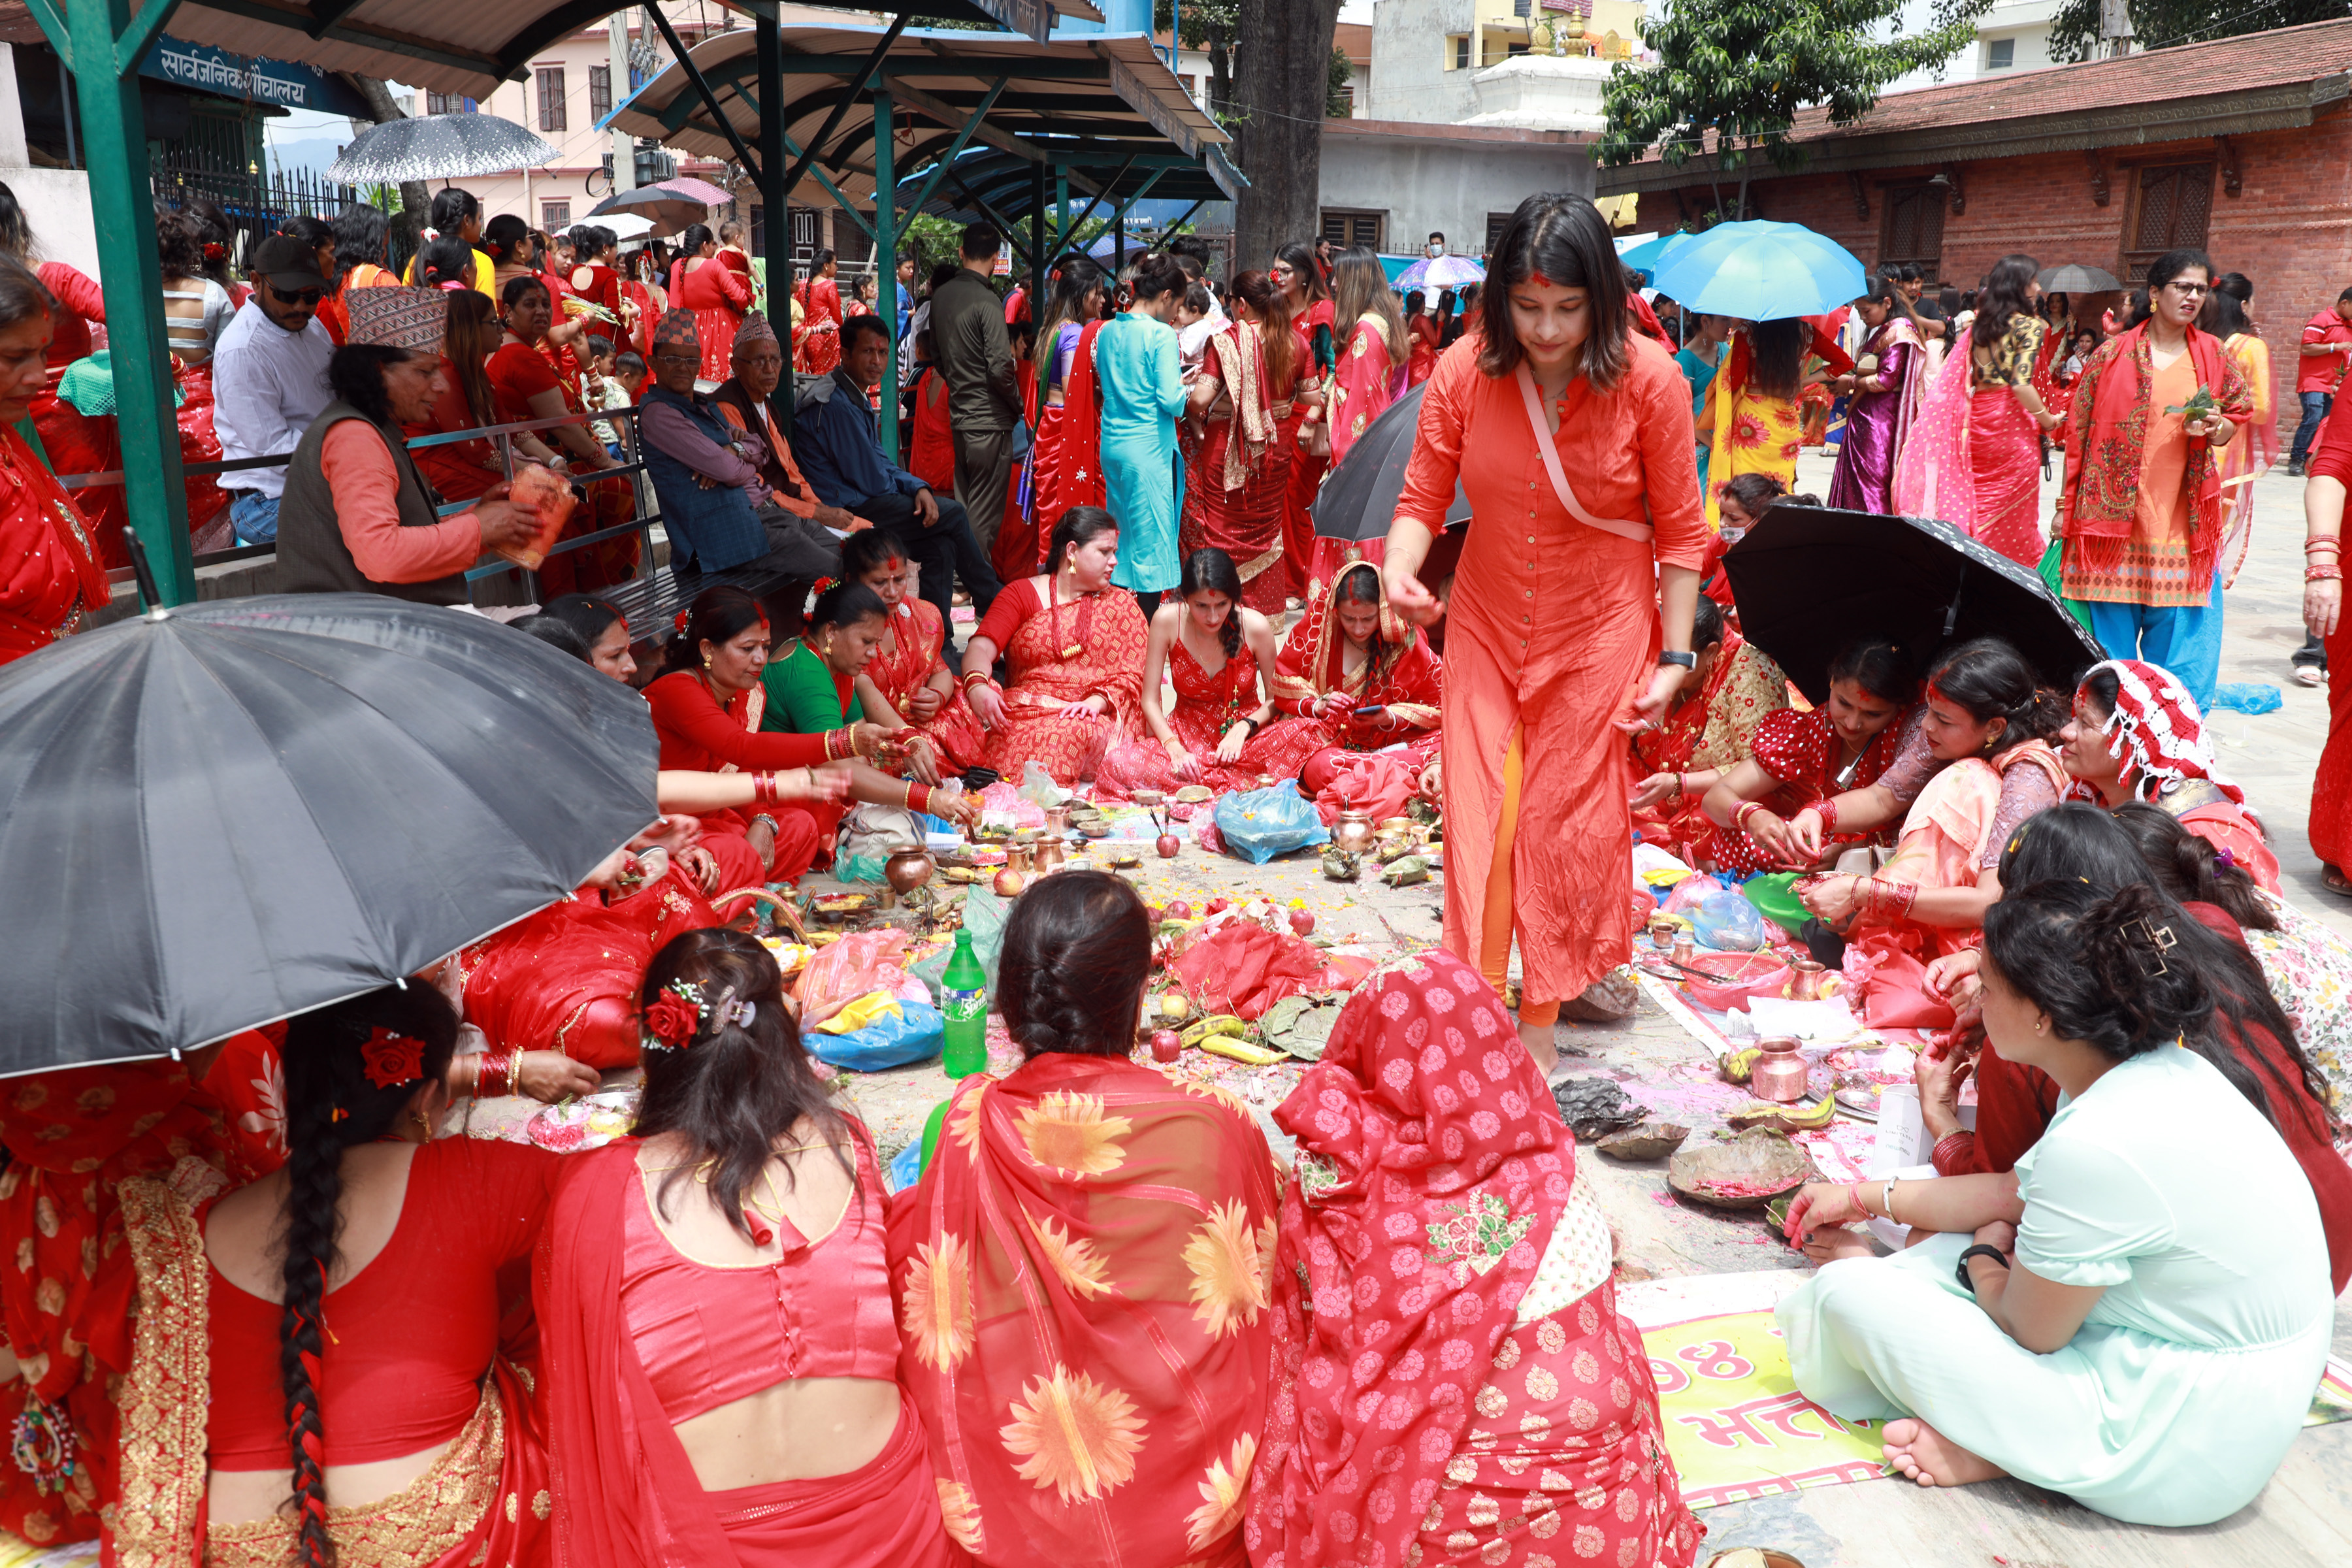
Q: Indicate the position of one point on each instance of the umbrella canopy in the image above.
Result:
(438, 147)
(1761, 272)
(672, 212)
(701, 191)
(1441, 272)
(1810, 579)
(629, 227)
(240, 811)
(2076, 279)
(1651, 254)
(1359, 497)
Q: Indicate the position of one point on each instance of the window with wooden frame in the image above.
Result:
(555, 217)
(1343, 226)
(551, 99)
(600, 91)
(1911, 227)
(2171, 205)
(1496, 224)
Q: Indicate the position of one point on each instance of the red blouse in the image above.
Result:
(708, 1335)
(50, 575)
(1016, 605)
(518, 374)
(697, 734)
(410, 1333)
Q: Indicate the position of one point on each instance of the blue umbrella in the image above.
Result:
(1651, 254)
(1761, 272)
(1440, 272)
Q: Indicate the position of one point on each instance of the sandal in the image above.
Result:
(2309, 675)
(1753, 1557)
(2332, 878)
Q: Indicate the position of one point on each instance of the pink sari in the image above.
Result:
(1973, 460)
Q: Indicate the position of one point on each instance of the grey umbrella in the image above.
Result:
(2076, 279)
(438, 147)
(672, 212)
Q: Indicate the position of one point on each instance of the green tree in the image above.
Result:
(1338, 101)
(1742, 68)
(2162, 24)
(1210, 24)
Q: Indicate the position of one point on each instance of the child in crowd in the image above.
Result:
(601, 389)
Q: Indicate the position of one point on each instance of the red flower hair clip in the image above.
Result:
(390, 1060)
(683, 616)
(674, 1018)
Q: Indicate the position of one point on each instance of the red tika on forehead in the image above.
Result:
(1539, 280)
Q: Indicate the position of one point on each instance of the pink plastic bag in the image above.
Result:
(1688, 892)
(859, 963)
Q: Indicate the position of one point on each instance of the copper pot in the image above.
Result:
(1781, 1074)
(1057, 822)
(909, 867)
(1353, 831)
(1663, 929)
(1051, 854)
(1805, 979)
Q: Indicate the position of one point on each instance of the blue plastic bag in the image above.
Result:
(2248, 697)
(1260, 824)
(1728, 922)
(916, 1036)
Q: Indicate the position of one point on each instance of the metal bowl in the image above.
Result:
(1744, 1173)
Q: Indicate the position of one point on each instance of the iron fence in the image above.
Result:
(258, 204)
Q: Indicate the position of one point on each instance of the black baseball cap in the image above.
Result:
(287, 263)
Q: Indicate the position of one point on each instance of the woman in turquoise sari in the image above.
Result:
(1698, 359)
(1141, 387)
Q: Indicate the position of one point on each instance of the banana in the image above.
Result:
(1215, 1023)
(1242, 1050)
(1737, 1065)
(1763, 1113)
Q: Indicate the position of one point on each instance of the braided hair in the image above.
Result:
(338, 1093)
(1212, 570)
(1077, 950)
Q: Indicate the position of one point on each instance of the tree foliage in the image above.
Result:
(1742, 68)
(1337, 82)
(1211, 26)
(2162, 24)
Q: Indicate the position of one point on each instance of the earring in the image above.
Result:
(705, 661)
(424, 1128)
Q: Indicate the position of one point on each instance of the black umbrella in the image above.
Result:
(1359, 497)
(223, 815)
(1810, 579)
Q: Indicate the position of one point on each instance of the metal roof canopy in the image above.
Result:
(1001, 179)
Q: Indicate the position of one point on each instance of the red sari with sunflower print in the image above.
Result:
(1082, 1277)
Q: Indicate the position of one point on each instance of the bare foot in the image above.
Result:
(1829, 1245)
(1932, 1459)
(1538, 1038)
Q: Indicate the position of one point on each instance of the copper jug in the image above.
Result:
(1781, 1074)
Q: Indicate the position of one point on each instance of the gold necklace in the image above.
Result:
(1079, 646)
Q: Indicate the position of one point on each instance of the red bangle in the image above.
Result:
(495, 1075)
(1952, 1149)
(1740, 817)
(1890, 901)
(1827, 811)
(919, 797)
(2323, 574)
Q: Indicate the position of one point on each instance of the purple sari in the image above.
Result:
(1878, 423)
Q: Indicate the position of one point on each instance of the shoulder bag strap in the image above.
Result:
(1544, 443)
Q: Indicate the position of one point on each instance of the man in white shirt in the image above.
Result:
(1436, 245)
(269, 380)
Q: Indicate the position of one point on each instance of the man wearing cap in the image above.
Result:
(269, 379)
(719, 510)
(356, 516)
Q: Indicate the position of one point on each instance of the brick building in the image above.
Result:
(2242, 146)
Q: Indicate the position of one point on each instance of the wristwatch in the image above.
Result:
(1686, 660)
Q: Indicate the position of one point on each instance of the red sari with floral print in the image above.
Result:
(1062, 654)
(1715, 727)
(1209, 703)
(1082, 1277)
(1453, 1383)
(1801, 749)
(1236, 470)
(50, 575)
(910, 659)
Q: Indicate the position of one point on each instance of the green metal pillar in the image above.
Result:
(101, 43)
(885, 253)
(778, 241)
(1037, 257)
(1062, 202)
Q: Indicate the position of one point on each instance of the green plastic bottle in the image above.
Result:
(963, 1002)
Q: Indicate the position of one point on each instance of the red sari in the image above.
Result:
(718, 295)
(1208, 703)
(1306, 472)
(697, 734)
(567, 978)
(1060, 656)
(1406, 679)
(1082, 1277)
(1365, 383)
(519, 372)
(1068, 466)
(1233, 486)
(50, 575)
(930, 456)
(908, 662)
(1452, 1381)
(1800, 750)
(818, 343)
(460, 470)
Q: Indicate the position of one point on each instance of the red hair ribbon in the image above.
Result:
(390, 1060)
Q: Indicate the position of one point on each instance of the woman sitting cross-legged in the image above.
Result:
(907, 687)
(1075, 643)
(1220, 655)
(721, 1360)
(2138, 735)
(1452, 1381)
(1732, 691)
(1083, 1271)
(1802, 758)
(1351, 663)
(323, 1357)
(2137, 1317)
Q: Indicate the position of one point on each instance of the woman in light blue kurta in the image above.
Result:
(1140, 385)
(1699, 359)
(2145, 1312)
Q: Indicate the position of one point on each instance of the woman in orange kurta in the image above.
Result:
(1556, 604)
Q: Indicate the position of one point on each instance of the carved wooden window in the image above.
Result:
(2171, 205)
(1911, 228)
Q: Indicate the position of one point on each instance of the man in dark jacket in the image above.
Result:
(975, 357)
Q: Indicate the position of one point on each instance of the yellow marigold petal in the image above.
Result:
(1073, 1259)
(1223, 1490)
(938, 1314)
(960, 1511)
(1075, 1435)
(1229, 1274)
(1069, 1133)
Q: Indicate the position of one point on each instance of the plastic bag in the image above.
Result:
(1261, 824)
(2247, 697)
(857, 868)
(870, 1008)
(870, 833)
(1037, 786)
(860, 962)
(984, 915)
(1728, 922)
(1688, 892)
(911, 1032)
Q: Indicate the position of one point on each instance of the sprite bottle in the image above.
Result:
(963, 1002)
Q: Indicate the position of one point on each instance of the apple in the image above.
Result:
(1180, 911)
(1008, 883)
(1166, 1045)
(1169, 845)
(1302, 921)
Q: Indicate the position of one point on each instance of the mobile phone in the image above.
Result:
(1368, 712)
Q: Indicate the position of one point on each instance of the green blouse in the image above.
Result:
(804, 696)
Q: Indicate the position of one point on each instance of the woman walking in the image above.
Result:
(818, 349)
(1236, 470)
(1975, 454)
(1552, 385)
(1142, 391)
(1885, 390)
(2140, 513)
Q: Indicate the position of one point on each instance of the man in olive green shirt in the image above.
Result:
(975, 358)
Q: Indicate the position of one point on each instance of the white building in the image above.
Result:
(2015, 36)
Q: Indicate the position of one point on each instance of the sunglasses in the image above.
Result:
(305, 297)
